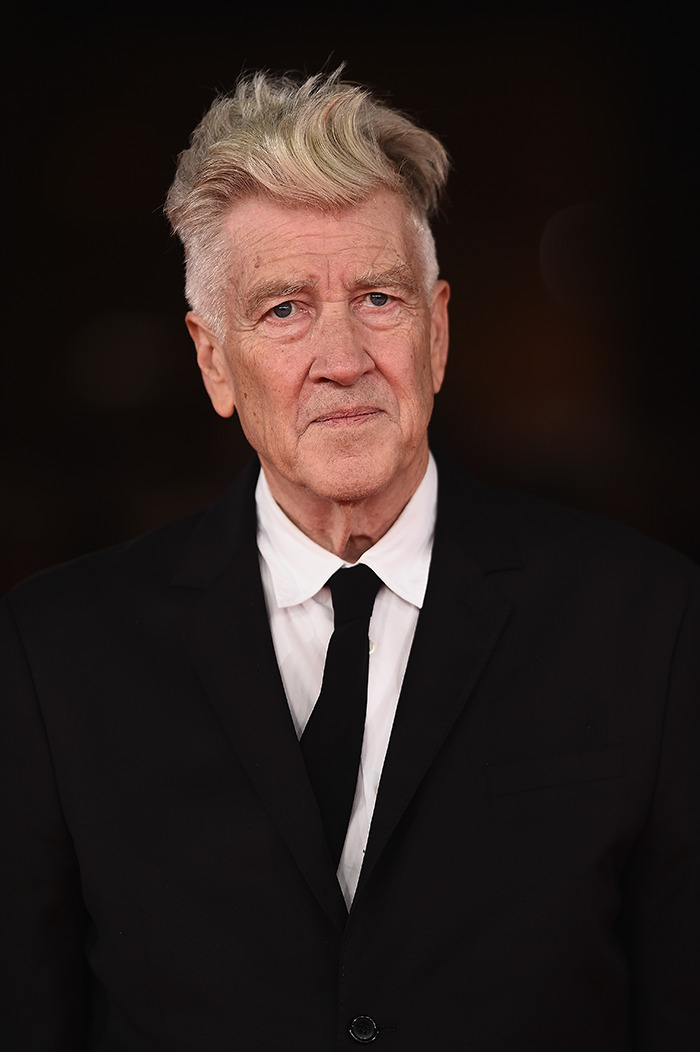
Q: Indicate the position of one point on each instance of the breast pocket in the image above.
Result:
(542, 772)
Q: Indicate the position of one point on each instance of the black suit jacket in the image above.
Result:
(531, 880)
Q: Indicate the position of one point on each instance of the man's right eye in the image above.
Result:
(283, 310)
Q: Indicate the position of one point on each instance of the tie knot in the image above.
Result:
(353, 590)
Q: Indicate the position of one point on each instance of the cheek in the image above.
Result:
(419, 375)
(268, 399)
(422, 392)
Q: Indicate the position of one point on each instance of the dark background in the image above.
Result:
(568, 237)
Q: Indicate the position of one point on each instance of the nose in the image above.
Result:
(339, 347)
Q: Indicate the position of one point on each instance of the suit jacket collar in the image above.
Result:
(227, 633)
(461, 620)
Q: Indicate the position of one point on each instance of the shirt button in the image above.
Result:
(363, 1029)
(372, 646)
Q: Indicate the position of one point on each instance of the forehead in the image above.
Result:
(267, 238)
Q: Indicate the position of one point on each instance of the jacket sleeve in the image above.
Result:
(662, 894)
(43, 988)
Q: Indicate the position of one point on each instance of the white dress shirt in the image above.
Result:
(294, 572)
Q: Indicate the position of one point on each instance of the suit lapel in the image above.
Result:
(228, 637)
(463, 615)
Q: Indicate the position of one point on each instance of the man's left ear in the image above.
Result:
(439, 332)
(212, 364)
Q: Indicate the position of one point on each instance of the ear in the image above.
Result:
(213, 364)
(439, 332)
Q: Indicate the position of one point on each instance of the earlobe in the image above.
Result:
(439, 333)
(213, 365)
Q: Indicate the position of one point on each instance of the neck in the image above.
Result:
(346, 528)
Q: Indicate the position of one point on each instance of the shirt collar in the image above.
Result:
(299, 567)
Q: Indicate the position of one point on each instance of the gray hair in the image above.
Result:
(321, 141)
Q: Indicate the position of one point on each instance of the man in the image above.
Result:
(517, 866)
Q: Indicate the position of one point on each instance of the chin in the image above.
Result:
(351, 482)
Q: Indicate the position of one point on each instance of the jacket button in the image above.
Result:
(363, 1029)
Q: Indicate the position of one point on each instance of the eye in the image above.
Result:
(284, 310)
(378, 299)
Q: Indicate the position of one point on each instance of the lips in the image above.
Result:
(348, 414)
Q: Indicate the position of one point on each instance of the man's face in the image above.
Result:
(334, 349)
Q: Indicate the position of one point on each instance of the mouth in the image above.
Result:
(352, 415)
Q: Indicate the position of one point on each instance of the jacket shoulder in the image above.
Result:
(202, 542)
(540, 525)
(57, 601)
(506, 528)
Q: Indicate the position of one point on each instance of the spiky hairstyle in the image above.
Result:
(320, 141)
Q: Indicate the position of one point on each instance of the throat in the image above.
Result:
(347, 530)
(356, 546)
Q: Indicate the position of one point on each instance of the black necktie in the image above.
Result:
(332, 739)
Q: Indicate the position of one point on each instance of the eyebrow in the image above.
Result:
(401, 276)
(274, 289)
